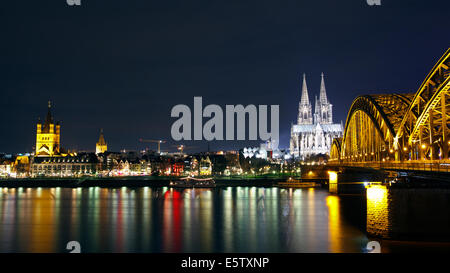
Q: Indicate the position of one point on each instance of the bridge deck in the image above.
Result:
(428, 166)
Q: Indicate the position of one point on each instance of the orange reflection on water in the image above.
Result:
(334, 224)
(43, 221)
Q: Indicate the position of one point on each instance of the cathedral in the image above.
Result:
(314, 134)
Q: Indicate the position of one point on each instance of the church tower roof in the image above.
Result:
(323, 92)
(47, 136)
(101, 139)
(305, 96)
(48, 119)
(100, 146)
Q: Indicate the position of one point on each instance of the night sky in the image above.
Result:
(121, 65)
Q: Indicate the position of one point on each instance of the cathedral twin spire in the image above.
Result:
(323, 92)
(323, 112)
(304, 108)
(305, 97)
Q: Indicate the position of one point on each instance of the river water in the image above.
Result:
(233, 219)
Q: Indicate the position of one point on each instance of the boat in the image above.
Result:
(295, 183)
(192, 182)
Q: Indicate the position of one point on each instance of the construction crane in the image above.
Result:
(158, 141)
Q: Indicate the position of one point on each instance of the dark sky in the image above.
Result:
(122, 65)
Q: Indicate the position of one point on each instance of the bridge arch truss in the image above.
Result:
(400, 127)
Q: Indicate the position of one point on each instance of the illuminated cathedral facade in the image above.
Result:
(313, 134)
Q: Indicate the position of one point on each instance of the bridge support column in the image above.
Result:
(444, 128)
(421, 148)
(433, 146)
(352, 181)
(404, 150)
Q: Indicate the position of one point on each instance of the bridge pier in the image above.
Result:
(352, 180)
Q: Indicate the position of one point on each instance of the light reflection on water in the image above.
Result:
(242, 219)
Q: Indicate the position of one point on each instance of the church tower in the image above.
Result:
(323, 113)
(305, 107)
(47, 136)
(101, 146)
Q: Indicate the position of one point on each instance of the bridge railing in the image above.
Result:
(431, 166)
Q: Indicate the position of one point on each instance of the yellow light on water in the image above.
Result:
(334, 224)
(378, 220)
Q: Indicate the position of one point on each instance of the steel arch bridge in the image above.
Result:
(399, 128)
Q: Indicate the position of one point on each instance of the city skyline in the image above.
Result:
(225, 135)
(132, 71)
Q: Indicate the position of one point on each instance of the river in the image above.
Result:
(233, 219)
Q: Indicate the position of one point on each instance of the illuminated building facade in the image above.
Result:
(205, 166)
(313, 135)
(5, 169)
(79, 165)
(6, 165)
(48, 136)
(178, 168)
